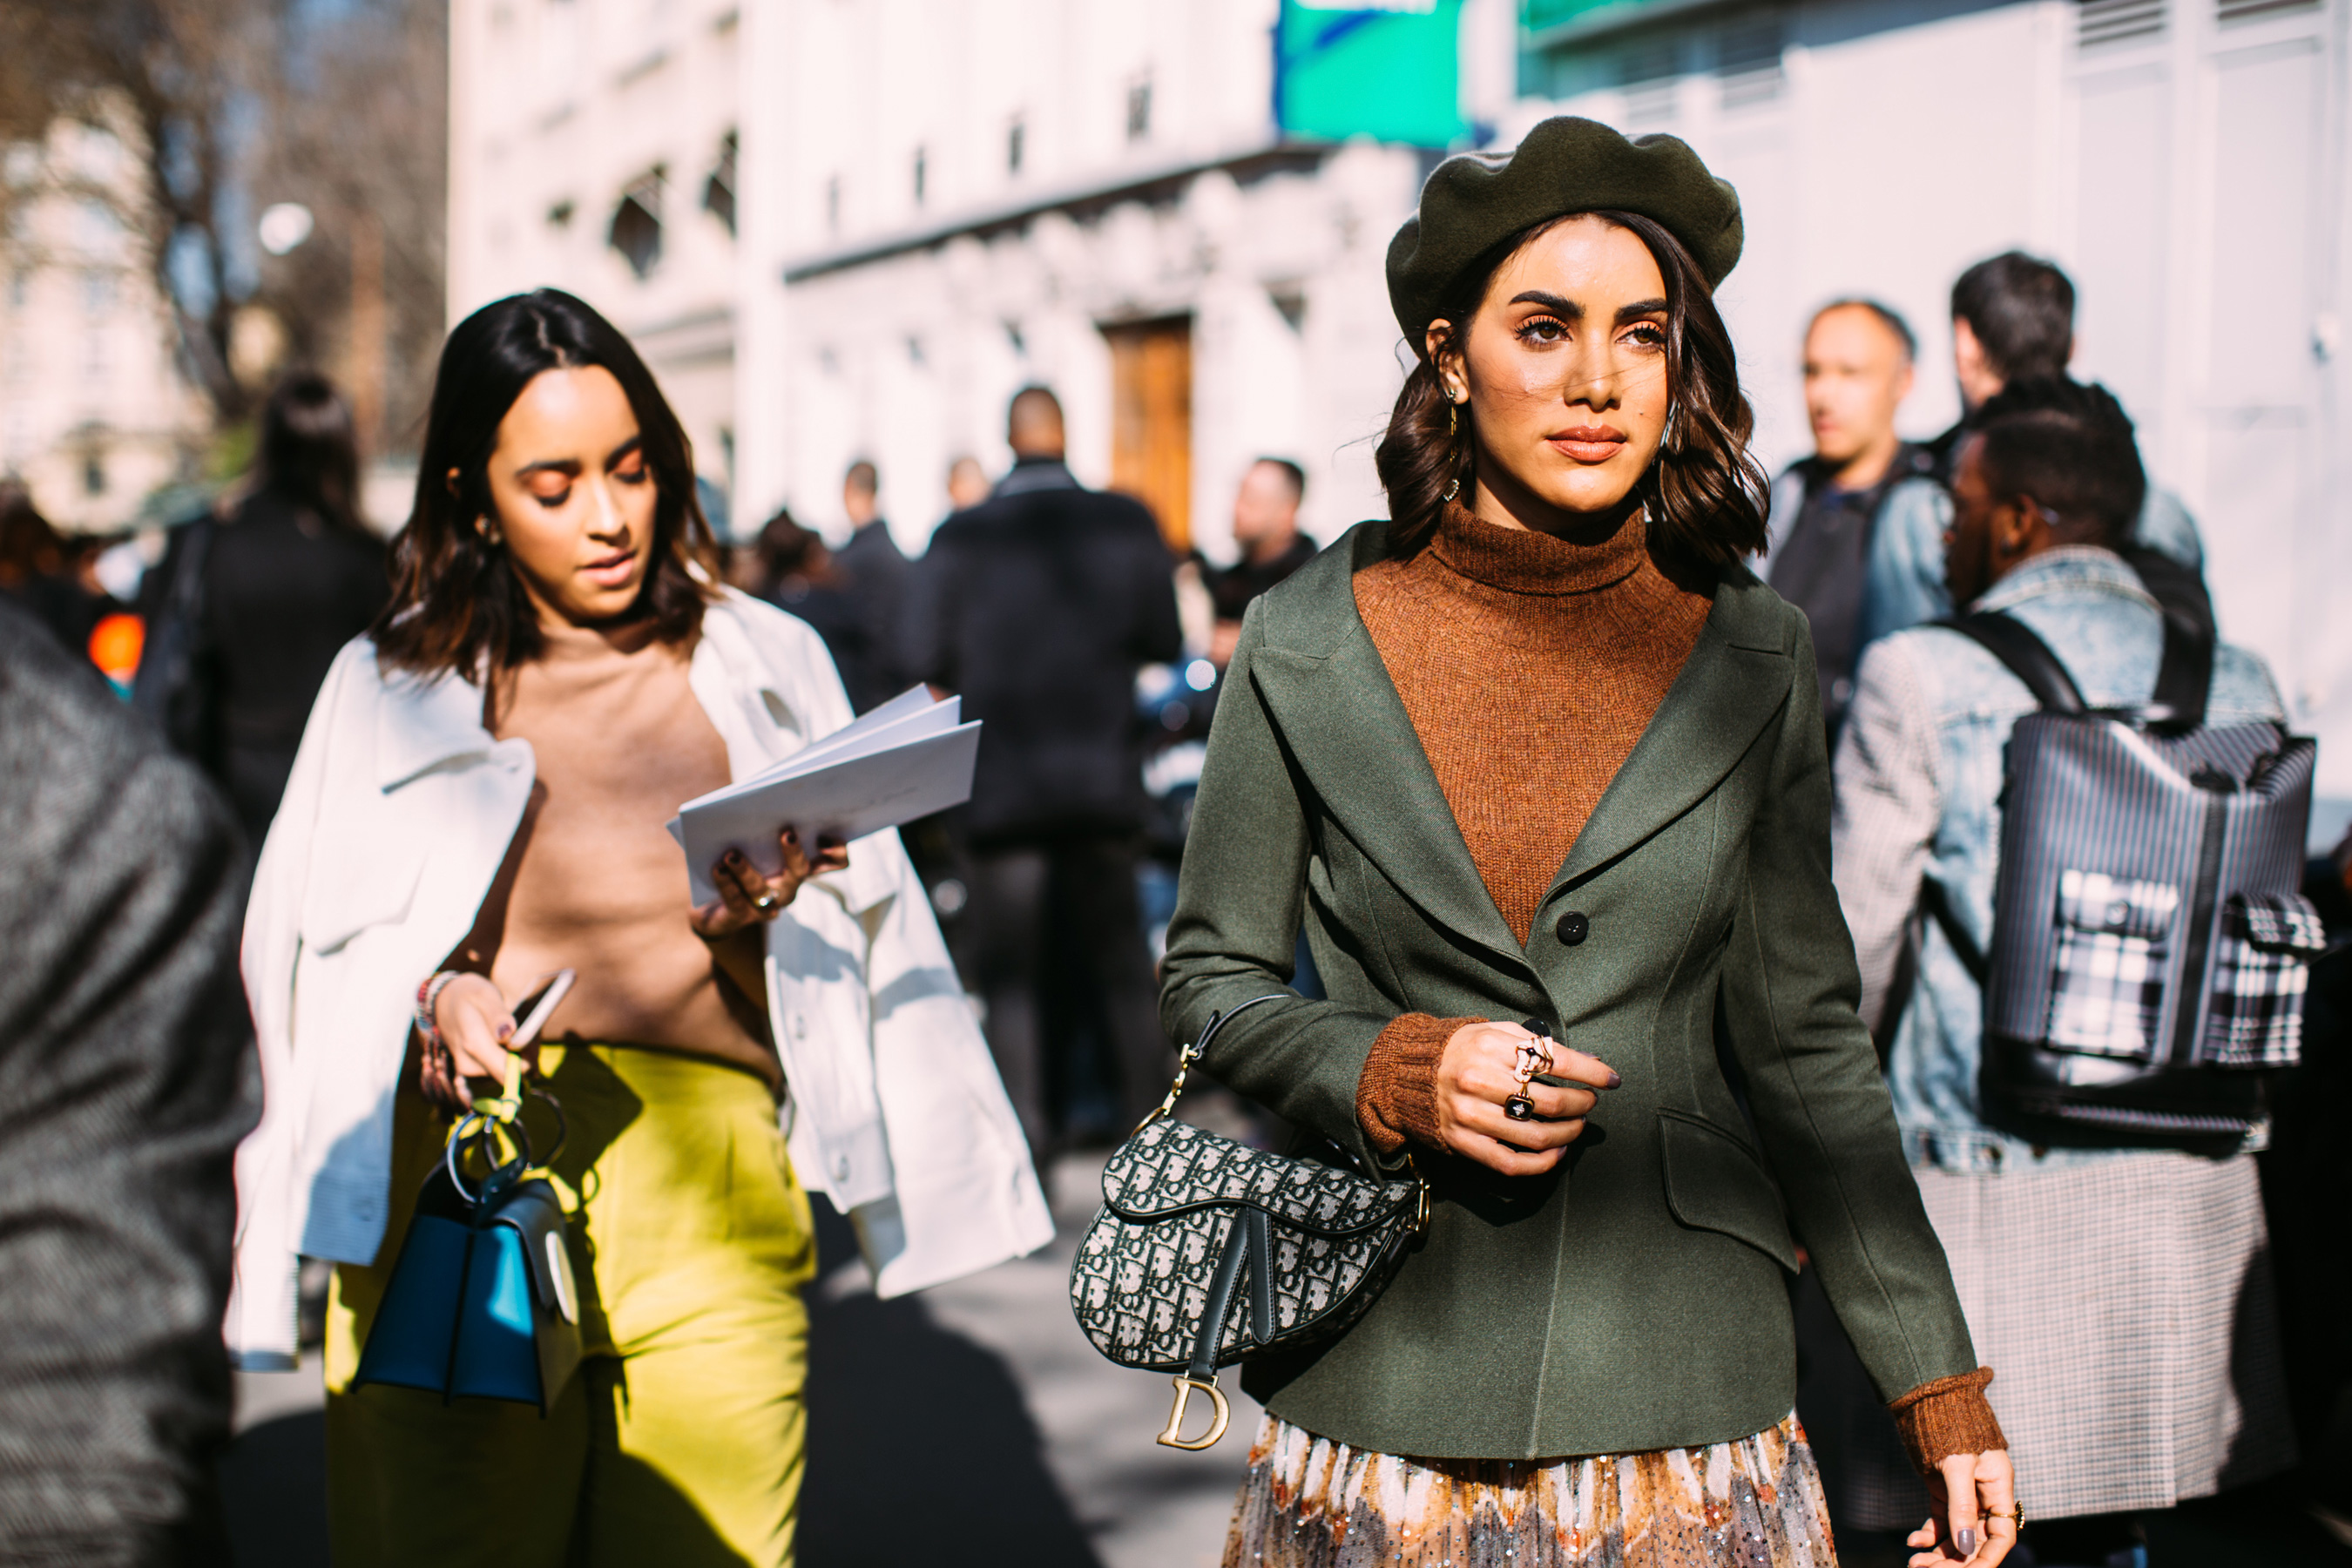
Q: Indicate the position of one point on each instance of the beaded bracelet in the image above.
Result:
(428, 993)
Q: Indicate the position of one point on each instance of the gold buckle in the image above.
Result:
(1184, 1060)
(1173, 1436)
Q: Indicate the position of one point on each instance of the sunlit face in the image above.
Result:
(1266, 512)
(1973, 367)
(574, 496)
(1970, 568)
(1856, 374)
(1565, 369)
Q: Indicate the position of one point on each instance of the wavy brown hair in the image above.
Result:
(1705, 494)
(458, 604)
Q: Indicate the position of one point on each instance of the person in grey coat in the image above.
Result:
(123, 1091)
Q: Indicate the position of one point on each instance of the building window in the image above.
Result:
(560, 215)
(719, 190)
(1016, 145)
(832, 204)
(93, 473)
(1647, 74)
(1748, 60)
(1139, 108)
(2098, 22)
(636, 231)
(922, 174)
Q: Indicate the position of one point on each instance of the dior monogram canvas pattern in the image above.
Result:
(1170, 1198)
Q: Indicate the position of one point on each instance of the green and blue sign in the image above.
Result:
(1391, 71)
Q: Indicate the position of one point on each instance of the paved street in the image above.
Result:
(971, 1425)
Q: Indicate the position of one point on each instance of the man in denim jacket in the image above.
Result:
(2124, 1293)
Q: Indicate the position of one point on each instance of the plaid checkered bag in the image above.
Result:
(2144, 979)
(2254, 1019)
(2106, 991)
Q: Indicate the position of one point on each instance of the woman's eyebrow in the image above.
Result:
(1640, 309)
(1552, 303)
(618, 454)
(568, 466)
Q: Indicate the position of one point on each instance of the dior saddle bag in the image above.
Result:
(1208, 1252)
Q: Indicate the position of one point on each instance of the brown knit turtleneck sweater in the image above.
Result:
(1530, 666)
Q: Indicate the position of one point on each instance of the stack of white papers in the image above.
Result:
(907, 759)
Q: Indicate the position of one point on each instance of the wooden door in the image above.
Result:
(1151, 420)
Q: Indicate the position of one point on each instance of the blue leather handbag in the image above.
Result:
(481, 1303)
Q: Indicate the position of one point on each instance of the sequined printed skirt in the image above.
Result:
(1309, 1503)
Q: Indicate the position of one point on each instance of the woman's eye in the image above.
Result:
(634, 474)
(550, 497)
(1648, 335)
(1542, 330)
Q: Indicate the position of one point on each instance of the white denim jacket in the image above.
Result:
(399, 812)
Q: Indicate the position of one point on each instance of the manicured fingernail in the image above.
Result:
(1615, 1078)
(1966, 1539)
(504, 1030)
(734, 856)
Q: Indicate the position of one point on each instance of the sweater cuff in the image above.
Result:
(1947, 1417)
(1396, 1094)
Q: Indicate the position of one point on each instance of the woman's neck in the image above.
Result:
(1505, 503)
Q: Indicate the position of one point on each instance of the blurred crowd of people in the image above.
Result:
(1093, 656)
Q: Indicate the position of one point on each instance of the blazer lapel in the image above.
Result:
(1736, 680)
(1330, 696)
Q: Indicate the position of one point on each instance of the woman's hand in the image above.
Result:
(1479, 1072)
(474, 1023)
(1974, 1494)
(746, 898)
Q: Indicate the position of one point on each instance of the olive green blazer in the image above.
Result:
(1635, 1298)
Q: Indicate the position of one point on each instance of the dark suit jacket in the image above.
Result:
(123, 1090)
(1037, 606)
(1635, 1298)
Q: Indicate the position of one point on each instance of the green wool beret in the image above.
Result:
(1473, 203)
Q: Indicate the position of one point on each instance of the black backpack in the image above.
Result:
(2150, 947)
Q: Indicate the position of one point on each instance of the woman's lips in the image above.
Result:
(1588, 443)
(612, 569)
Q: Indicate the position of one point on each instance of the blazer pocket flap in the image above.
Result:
(1714, 1182)
(353, 888)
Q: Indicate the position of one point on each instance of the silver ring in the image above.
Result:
(767, 903)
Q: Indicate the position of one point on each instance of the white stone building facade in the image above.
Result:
(592, 148)
(942, 200)
(94, 411)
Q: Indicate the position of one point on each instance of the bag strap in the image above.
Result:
(1933, 904)
(2025, 656)
(1191, 1054)
(2186, 675)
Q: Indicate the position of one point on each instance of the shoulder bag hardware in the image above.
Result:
(1208, 1252)
(481, 1302)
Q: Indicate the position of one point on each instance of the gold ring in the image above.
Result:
(766, 903)
(2016, 1513)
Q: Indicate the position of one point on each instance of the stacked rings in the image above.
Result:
(1534, 1056)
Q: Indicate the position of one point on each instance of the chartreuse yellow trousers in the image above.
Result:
(681, 1440)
